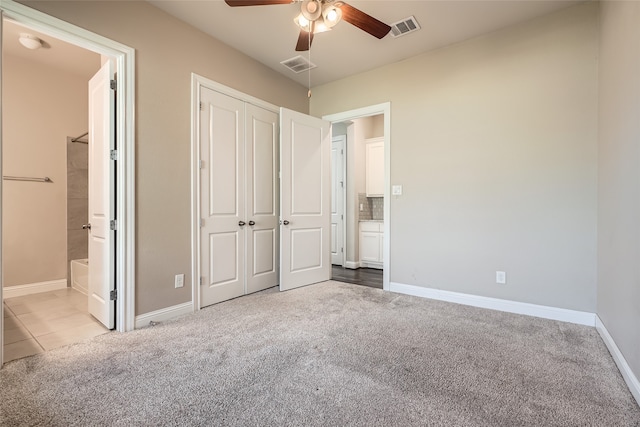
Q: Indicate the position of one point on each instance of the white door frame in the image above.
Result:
(198, 82)
(373, 110)
(124, 57)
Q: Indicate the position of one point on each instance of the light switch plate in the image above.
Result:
(396, 190)
(179, 280)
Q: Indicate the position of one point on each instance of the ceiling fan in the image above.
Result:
(320, 15)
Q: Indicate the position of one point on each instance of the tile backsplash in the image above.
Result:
(377, 207)
(372, 207)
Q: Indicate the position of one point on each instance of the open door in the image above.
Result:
(305, 194)
(101, 197)
(1, 185)
(337, 200)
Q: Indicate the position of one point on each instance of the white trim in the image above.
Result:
(371, 264)
(545, 312)
(164, 314)
(353, 265)
(33, 288)
(125, 68)
(197, 83)
(385, 109)
(621, 362)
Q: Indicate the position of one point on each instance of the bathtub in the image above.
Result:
(80, 275)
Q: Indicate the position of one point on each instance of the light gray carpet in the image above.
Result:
(330, 354)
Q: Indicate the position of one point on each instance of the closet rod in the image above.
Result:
(26, 178)
(77, 138)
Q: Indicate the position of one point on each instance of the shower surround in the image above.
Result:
(77, 202)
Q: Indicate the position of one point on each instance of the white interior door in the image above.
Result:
(261, 198)
(1, 184)
(337, 200)
(101, 196)
(222, 206)
(305, 162)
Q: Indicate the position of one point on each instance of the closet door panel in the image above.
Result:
(262, 198)
(222, 184)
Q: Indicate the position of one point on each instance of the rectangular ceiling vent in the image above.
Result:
(406, 26)
(298, 64)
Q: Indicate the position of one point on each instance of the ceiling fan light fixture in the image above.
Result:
(331, 15)
(311, 9)
(321, 26)
(302, 22)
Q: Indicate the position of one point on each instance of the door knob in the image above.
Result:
(242, 223)
(285, 222)
(252, 223)
(86, 226)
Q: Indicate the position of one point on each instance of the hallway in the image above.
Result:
(370, 277)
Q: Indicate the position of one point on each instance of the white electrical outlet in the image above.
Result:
(361, 207)
(179, 281)
(501, 277)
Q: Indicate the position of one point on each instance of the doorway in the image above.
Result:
(122, 223)
(45, 183)
(366, 201)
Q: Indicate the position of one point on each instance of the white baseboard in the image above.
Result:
(163, 314)
(553, 313)
(33, 288)
(623, 366)
(353, 265)
(370, 264)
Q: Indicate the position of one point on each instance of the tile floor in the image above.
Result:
(40, 322)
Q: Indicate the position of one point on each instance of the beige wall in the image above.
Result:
(619, 177)
(494, 142)
(167, 52)
(41, 107)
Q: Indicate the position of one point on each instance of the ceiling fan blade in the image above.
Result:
(303, 41)
(363, 21)
(235, 3)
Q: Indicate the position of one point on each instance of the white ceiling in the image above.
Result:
(268, 34)
(54, 53)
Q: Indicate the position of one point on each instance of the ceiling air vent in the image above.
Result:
(406, 26)
(298, 64)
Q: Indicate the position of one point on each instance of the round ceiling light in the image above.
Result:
(30, 41)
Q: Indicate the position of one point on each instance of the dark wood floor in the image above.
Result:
(362, 276)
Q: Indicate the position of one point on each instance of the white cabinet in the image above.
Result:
(374, 166)
(371, 243)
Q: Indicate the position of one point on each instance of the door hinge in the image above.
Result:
(112, 224)
(201, 164)
(341, 184)
(341, 216)
(201, 222)
(201, 106)
(114, 155)
(113, 295)
(341, 249)
(200, 280)
(113, 85)
(341, 151)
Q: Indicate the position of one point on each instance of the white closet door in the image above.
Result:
(222, 197)
(262, 198)
(305, 144)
